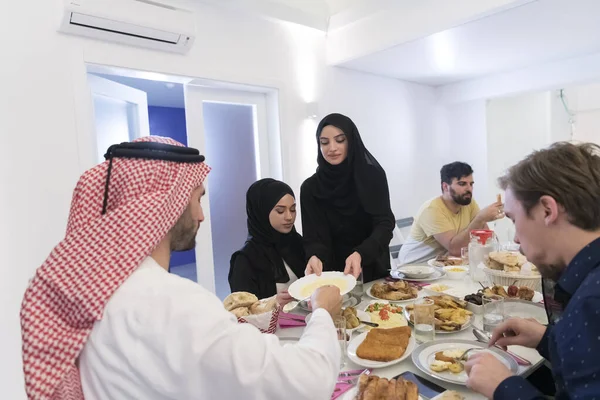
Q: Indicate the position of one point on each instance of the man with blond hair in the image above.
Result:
(553, 197)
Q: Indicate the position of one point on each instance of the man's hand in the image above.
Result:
(353, 266)
(485, 373)
(518, 331)
(283, 298)
(314, 266)
(491, 213)
(329, 299)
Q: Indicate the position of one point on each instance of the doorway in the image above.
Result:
(232, 128)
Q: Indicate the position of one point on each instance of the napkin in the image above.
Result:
(285, 320)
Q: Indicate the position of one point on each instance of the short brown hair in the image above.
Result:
(567, 172)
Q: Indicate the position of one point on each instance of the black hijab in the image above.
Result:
(265, 247)
(358, 180)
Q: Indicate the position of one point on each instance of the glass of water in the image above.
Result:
(340, 327)
(424, 320)
(493, 312)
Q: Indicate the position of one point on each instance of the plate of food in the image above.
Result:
(437, 274)
(386, 315)
(379, 348)
(305, 286)
(451, 314)
(440, 358)
(374, 387)
(397, 292)
(353, 318)
(445, 261)
(508, 292)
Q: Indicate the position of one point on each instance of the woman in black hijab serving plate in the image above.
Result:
(273, 256)
(347, 220)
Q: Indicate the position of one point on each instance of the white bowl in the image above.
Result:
(417, 271)
(464, 271)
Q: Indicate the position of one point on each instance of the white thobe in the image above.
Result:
(165, 337)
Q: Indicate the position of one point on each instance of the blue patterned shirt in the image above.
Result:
(572, 345)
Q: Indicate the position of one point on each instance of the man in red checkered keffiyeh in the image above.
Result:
(121, 211)
(103, 319)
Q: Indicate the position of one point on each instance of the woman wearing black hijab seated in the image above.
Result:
(273, 256)
(347, 221)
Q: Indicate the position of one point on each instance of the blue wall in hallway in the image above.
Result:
(170, 122)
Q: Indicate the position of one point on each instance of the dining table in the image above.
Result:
(459, 288)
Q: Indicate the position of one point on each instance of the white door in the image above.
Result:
(231, 129)
(120, 113)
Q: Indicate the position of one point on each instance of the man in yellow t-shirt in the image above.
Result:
(443, 223)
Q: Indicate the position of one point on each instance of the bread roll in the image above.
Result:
(264, 306)
(240, 312)
(239, 299)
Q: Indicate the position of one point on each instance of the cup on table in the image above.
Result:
(340, 327)
(464, 255)
(493, 312)
(424, 320)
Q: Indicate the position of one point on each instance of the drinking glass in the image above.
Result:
(340, 327)
(424, 315)
(493, 312)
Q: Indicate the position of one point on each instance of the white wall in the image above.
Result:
(46, 139)
(584, 102)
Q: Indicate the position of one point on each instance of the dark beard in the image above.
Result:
(461, 200)
(183, 234)
(551, 272)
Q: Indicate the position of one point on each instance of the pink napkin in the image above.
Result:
(290, 323)
(343, 387)
(340, 389)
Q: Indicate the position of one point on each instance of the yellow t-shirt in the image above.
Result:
(433, 218)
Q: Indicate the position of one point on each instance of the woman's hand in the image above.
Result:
(353, 266)
(314, 266)
(283, 298)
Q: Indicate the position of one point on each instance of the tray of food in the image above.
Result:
(509, 293)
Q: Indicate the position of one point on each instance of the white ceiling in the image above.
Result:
(159, 94)
(534, 33)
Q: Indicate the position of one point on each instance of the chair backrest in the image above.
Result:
(399, 238)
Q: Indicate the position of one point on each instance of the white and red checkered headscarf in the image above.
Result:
(68, 294)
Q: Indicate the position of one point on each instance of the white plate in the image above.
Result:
(438, 264)
(425, 354)
(354, 343)
(364, 316)
(526, 309)
(390, 301)
(436, 275)
(296, 288)
(439, 331)
(417, 271)
(347, 301)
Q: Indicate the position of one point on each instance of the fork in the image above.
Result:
(462, 358)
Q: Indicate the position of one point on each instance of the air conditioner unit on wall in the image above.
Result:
(133, 22)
